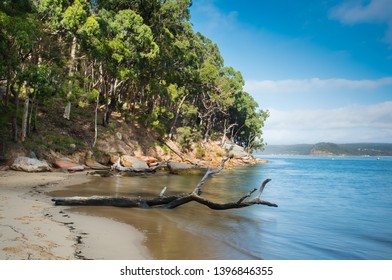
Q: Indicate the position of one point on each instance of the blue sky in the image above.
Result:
(322, 68)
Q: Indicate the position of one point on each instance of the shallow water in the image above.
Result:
(328, 209)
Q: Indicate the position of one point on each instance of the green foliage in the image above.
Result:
(140, 58)
(75, 15)
(184, 136)
(200, 151)
(54, 141)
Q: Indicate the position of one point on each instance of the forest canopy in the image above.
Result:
(139, 58)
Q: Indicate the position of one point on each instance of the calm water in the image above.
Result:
(328, 209)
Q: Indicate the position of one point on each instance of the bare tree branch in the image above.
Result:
(209, 172)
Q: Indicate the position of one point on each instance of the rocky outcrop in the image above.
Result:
(151, 161)
(30, 165)
(235, 150)
(93, 164)
(185, 169)
(129, 161)
(67, 164)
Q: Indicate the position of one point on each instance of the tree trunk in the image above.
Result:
(96, 121)
(208, 128)
(32, 108)
(105, 118)
(15, 93)
(175, 149)
(67, 109)
(25, 115)
(226, 130)
(95, 110)
(176, 116)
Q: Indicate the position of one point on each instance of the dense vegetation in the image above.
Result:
(139, 58)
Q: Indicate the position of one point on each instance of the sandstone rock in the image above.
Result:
(29, 165)
(113, 146)
(128, 161)
(67, 164)
(235, 150)
(147, 159)
(114, 159)
(185, 169)
(96, 165)
(93, 164)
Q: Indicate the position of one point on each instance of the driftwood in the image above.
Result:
(169, 202)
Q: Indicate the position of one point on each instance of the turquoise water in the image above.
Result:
(328, 209)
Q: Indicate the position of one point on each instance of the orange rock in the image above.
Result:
(114, 159)
(67, 164)
(147, 159)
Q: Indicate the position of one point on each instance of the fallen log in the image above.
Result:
(175, 150)
(169, 202)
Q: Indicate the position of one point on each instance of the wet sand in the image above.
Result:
(31, 227)
(189, 232)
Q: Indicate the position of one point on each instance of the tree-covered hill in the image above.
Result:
(138, 59)
(331, 149)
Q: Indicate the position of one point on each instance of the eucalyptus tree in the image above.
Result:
(73, 18)
(138, 57)
(118, 40)
(19, 29)
(250, 120)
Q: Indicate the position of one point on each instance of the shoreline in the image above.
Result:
(33, 228)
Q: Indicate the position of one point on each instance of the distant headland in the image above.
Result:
(330, 149)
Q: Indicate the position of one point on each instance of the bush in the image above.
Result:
(200, 151)
(184, 136)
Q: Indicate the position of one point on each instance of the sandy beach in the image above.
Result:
(31, 227)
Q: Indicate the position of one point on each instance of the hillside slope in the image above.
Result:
(56, 137)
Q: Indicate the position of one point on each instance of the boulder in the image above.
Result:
(92, 163)
(128, 161)
(112, 146)
(67, 164)
(151, 161)
(114, 159)
(30, 165)
(235, 150)
(95, 165)
(181, 168)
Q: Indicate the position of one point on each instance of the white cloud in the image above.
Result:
(314, 84)
(376, 11)
(214, 19)
(356, 123)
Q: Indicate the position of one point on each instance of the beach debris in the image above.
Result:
(161, 194)
(262, 187)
